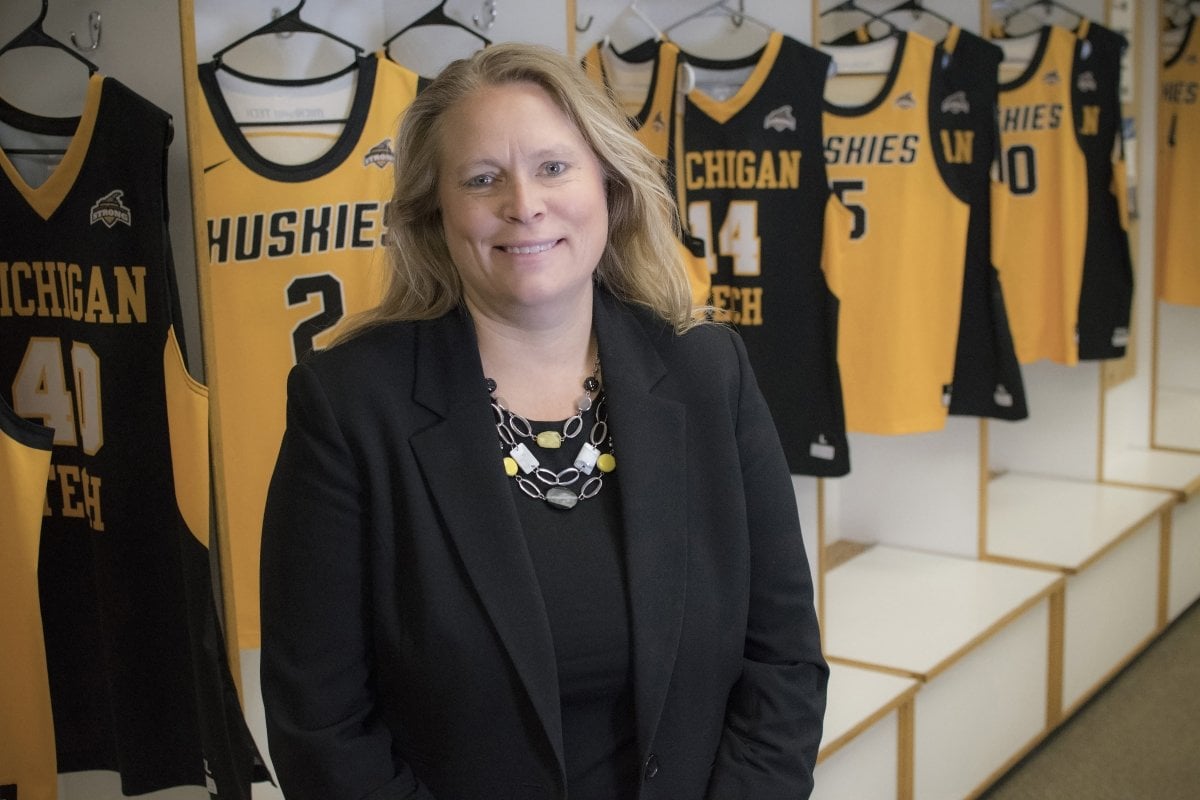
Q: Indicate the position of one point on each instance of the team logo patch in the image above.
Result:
(111, 209)
(380, 155)
(658, 124)
(1052, 78)
(956, 103)
(1086, 82)
(780, 119)
(906, 101)
(822, 449)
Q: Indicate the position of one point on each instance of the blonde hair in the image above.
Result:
(641, 262)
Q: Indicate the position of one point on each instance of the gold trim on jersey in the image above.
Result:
(27, 757)
(46, 198)
(724, 110)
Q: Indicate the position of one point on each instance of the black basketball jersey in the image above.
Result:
(137, 668)
(963, 91)
(1106, 294)
(754, 178)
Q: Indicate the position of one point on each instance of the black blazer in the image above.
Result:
(406, 651)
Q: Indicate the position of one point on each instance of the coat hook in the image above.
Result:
(581, 28)
(489, 7)
(93, 32)
(740, 16)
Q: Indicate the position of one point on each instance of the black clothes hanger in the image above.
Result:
(36, 36)
(286, 23)
(436, 16)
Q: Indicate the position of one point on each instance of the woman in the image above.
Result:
(530, 533)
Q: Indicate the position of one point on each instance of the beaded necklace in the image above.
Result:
(595, 454)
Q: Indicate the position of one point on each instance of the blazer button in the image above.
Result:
(651, 768)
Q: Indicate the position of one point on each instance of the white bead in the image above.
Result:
(524, 458)
(586, 460)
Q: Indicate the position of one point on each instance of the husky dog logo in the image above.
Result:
(380, 155)
(956, 103)
(1052, 78)
(780, 119)
(111, 209)
(906, 101)
(658, 124)
(1086, 82)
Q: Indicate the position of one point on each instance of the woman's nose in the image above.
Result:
(523, 201)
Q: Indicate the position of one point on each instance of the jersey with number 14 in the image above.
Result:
(754, 179)
(291, 250)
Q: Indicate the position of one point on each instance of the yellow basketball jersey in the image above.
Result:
(899, 276)
(291, 249)
(1040, 205)
(646, 86)
(1178, 218)
(27, 757)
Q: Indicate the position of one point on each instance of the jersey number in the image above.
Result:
(738, 237)
(328, 289)
(40, 391)
(841, 189)
(1019, 169)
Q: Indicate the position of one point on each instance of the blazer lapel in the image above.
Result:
(649, 442)
(475, 500)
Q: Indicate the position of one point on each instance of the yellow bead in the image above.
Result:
(549, 440)
(607, 462)
(510, 466)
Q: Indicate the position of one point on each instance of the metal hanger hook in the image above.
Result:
(581, 28)
(93, 33)
(489, 8)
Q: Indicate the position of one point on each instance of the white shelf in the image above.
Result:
(1159, 469)
(1060, 523)
(858, 698)
(915, 613)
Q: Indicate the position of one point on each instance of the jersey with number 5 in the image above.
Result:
(291, 250)
(753, 176)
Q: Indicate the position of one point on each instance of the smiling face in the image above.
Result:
(523, 204)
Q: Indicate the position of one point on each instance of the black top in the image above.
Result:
(578, 556)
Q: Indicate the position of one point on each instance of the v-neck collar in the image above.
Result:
(48, 197)
(724, 110)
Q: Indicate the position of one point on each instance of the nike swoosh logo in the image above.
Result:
(211, 167)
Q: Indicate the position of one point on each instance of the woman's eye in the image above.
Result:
(555, 168)
(480, 181)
